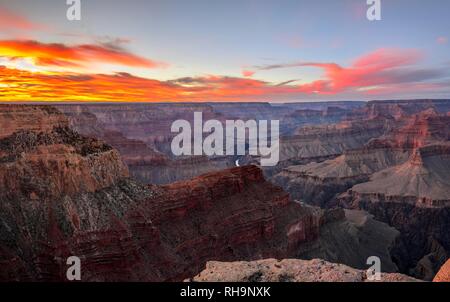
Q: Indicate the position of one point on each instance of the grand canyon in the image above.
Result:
(99, 181)
(190, 144)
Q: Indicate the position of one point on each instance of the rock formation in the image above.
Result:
(44, 158)
(289, 270)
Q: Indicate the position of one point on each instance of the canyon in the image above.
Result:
(99, 182)
(64, 194)
(148, 125)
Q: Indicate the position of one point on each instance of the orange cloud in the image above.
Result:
(10, 20)
(21, 85)
(60, 55)
(378, 72)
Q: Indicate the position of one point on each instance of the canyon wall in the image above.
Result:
(142, 132)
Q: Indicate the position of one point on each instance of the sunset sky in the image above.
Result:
(234, 50)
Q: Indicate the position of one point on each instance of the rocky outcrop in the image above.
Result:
(444, 273)
(144, 162)
(44, 158)
(22, 118)
(289, 270)
(63, 194)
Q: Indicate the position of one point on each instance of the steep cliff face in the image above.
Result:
(63, 194)
(149, 123)
(171, 170)
(292, 115)
(288, 270)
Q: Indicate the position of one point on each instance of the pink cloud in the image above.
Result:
(247, 73)
(442, 40)
(381, 67)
